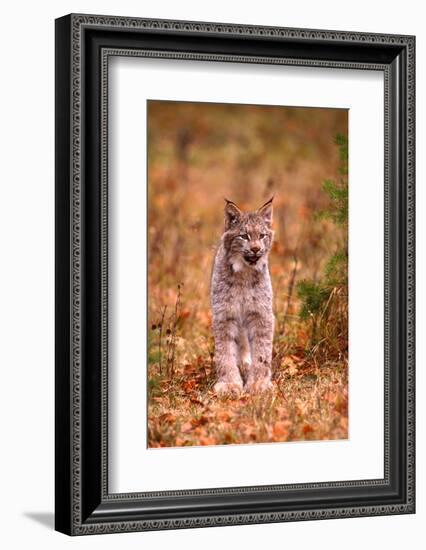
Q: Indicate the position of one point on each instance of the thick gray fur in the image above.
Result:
(241, 299)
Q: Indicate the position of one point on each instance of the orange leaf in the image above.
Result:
(186, 427)
(199, 421)
(185, 314)
(207, 440)
(341, 405)
(189, 369)
(307, 428)
(167, 417)
(189, 385)
(223, 416)
(280, 429)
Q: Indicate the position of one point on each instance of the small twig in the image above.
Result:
(174, 331)
(290, 291)
(318, 318)
(324, 311)
(160, 335)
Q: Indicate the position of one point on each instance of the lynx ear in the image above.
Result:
(266, 211)
(232, 214)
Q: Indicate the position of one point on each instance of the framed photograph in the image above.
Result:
(234, 274)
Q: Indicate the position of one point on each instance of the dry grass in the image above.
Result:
(199, 154)
(303, 406)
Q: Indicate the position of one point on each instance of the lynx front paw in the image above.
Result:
(259, 385)
(225, 388)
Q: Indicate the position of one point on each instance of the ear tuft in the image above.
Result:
(266, 211)
(232, 214)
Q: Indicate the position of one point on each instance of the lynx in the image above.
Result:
(241, 299)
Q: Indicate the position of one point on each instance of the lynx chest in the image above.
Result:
(249, 292)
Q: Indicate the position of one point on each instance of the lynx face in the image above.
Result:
(248, 235)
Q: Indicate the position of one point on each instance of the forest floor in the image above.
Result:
(305, 404)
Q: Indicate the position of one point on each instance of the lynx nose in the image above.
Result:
(255, 249)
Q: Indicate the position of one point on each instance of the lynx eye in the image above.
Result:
(245, 237)
(263, 235)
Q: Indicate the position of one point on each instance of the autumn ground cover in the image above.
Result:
(198, 154)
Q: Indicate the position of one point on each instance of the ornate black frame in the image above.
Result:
(83, 46)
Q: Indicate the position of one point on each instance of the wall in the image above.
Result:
(26, 302)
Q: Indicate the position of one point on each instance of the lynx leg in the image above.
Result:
(226, 360)
(260, 333)
(244, 354)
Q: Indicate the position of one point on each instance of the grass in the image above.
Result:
(199, 154)
(185, 411)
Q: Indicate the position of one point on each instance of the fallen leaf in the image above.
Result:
(223, 416)
(207, 440)
(167, 417)
(341, 405)
(307, 428)
(185, 314)
(280, 429)
(186, 427)
(189, 369)
(199, 421)
(189, 385)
